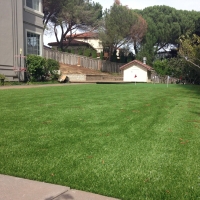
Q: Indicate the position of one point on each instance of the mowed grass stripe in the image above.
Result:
(126, 141)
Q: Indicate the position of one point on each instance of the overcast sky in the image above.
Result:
(141, 4)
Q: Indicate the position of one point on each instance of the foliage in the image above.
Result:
(87, 52)
(130, 57)
(2, 79)
(116, 27)
(127, 141)
(94, 54)
(114, 56)
(177, 67)
(165, 26)
(80, 52)
(41, 69)
(122, 57)
(138, 31)
(2, 76)
(161, 67)
(36, 66)
(51, 69)
(190, 48)
(51, 8)
(73, 15)
(101, 55)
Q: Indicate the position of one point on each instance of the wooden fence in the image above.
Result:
(83, 61)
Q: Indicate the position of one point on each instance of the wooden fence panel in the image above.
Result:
(91, 63)
(111, 67)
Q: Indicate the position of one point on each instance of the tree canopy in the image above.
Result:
(69, 16)
(120, 27)
(165, 26)
(190, 49)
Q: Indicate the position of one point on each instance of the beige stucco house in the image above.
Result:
(136, 71)
(21, 34)
(91, 38)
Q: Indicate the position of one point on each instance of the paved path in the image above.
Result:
(12, 188)
(37, 86)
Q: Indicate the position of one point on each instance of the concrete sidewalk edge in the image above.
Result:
(14, 188)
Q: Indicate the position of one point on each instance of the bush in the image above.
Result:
(51, 69)
(80, 52)
(41, 69)
(2, 76)
(36, 67)
(87, 52)
(101, 55)
(94, 54)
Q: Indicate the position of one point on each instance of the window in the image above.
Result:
(33, 4)
(33, 43)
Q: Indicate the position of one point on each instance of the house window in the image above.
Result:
(33, 43)
(33, 4)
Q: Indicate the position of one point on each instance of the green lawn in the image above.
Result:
(121, 140)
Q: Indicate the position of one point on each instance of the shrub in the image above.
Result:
(2, 76)
(41, 69)
(51, 69)
(35, 67)
(87, 52)
(80, 52)
(101, 55)
(94, 54)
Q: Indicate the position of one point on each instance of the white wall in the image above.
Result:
(140, 72)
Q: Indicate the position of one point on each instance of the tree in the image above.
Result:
(197, 27)
(165, 26)
(50, 9)
(190, 48)
(70, 16)
(116, 26)
(138, 31)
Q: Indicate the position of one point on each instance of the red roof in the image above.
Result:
(84, 35)
(136, 62)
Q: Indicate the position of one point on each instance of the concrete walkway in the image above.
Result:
(5, 87)
(12, 188)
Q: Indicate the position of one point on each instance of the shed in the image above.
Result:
(136, 71)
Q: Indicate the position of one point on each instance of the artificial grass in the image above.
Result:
(125, 141)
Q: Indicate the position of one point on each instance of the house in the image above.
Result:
(90, 38)
(21, 34)
(136, 71)
(81, 40)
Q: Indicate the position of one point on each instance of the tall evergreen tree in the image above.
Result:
(122, 27)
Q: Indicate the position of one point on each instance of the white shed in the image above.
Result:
(136, 71)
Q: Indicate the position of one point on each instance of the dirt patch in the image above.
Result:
(73, 69)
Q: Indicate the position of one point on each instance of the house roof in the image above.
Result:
(72, 43)
(84, 35)
(136, 62)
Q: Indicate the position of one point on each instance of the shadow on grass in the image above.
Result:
(192, 88)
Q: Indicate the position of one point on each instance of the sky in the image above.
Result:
(141, 4)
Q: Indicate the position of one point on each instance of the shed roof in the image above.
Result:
(136, 62)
